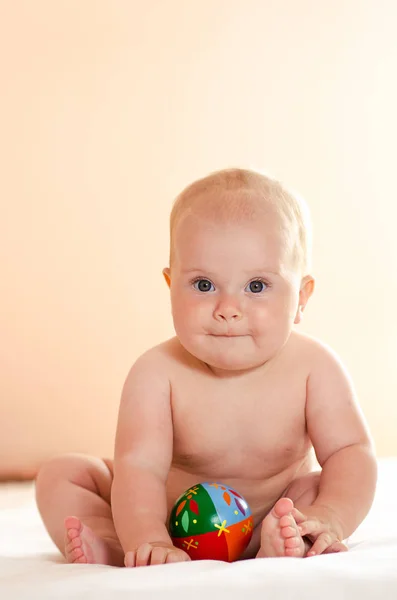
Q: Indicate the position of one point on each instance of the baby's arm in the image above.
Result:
(343, 448)
(143, 454)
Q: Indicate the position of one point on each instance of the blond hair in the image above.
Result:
(232, 195)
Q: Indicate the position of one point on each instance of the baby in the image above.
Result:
(238, 396)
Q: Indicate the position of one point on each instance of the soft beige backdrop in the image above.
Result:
(108, 108)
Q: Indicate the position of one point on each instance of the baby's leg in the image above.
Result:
(73, 497)
(279, 532)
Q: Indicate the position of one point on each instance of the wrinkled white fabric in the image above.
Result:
(31, 567)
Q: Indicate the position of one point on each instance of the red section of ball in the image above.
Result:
(206, 546)
(227, 546)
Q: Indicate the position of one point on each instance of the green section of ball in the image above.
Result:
(198, 515)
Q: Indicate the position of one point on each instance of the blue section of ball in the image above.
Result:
(225, 511)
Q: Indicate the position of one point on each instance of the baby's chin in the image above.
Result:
(232, 367)
(228, 354)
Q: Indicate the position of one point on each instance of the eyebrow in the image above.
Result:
(250, 271)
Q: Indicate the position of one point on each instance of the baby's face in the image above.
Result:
(233, 298)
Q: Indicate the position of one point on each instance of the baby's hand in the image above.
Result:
(154, 553)
(322, 526)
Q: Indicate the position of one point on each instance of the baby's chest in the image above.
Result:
(231, 428)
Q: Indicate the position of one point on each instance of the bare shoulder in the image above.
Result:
(315, 353)
(169, 352)
(161, 360)
(327, 374)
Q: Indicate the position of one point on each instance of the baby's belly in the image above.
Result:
(261, 493)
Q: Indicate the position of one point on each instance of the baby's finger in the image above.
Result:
(174, 556)
(159, 555)
(313, 527)
(143, 555)
(322, 543)
(336, 547)
(129, 559)
(298, 516)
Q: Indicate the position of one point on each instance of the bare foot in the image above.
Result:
(82, 545)
(279, 534)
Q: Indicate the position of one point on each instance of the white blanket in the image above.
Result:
(31, 566)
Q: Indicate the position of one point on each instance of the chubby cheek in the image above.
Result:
(258, 316)
(188, 313)
(269, 319)
(261, 318)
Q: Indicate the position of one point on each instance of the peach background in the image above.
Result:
(108, 108)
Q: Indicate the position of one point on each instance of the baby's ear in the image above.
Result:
(167, 276)
(306, 290)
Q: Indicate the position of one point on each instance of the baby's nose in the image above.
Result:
(227, 311)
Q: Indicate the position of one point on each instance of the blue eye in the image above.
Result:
(257, 286)
(203, 285)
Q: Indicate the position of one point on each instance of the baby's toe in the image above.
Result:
(293, 552)
(288, 532)
(72, 523)
(73, 533)
(292, 542)
(287, 521)
(283, 507)
(82, 559)
(75, 554)
(75, 543)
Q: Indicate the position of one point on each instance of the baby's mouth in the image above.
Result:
(227, 335)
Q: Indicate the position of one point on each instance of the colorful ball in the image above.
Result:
(211, 521)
